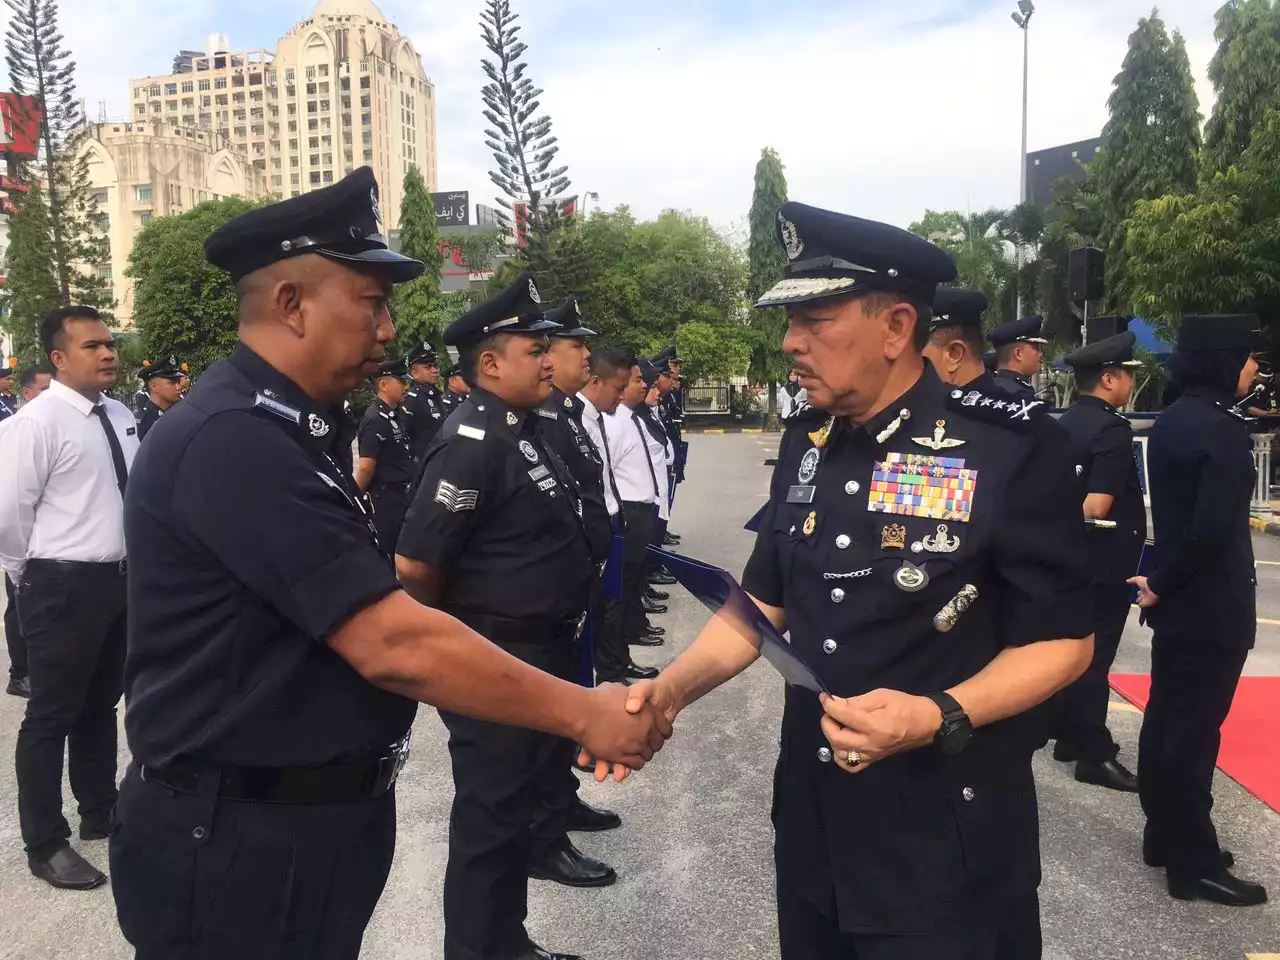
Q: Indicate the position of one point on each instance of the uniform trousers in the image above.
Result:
(1192, 686)
(390, 504)
(73, 619)
(13, 634)
(807, 933)
(196, 878)
(500, 775)
(1083, 705)
(623, 619)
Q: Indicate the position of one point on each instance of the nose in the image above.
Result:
(792, 342)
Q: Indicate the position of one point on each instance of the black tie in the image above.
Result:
(117, 454)
(644, 448)
(608, 462)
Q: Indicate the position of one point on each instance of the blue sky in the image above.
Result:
(879, 109)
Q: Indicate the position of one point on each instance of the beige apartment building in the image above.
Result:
(342, 89)
(153, 168)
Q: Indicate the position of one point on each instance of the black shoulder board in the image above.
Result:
(467, 421)
(547, 414)
(997, 407)
(281, 410)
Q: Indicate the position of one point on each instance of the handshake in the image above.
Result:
(626, 726)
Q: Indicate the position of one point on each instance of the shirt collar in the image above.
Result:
(589, 410)
(902, 409)
(68, 396)
(318, 428)
(1089, 399)
(500, 410)
(561, 402)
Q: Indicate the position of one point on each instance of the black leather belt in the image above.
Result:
(403, 486)
(114, 566)
(336, 783)
(502, 630)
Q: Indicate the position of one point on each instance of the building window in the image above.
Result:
(311, 89)
(368, 138)
(364, 82)
(137, 93)
(364, 66)
(204, 85)
(315, 159)
(313, 124)
(314, 143)
(315, 176)
(295, 179)
(368, 156)
(382, 68)
(324, 106)
(237, 79)
(170, 89)
(154, 90)
(293, 126)
(328, 176)
(237, 98)
(293, 161)
(288, 74)
(100, 197)
(156, 106)
(324, 89)
(324, 69)
(290, 91)
(188, 102)
(346, 137)
(255, 79)
(145, 217)
(293, 109)
(220, 99)
(173, 106)
(219, 83)
(239, 133)
(365, 120)
(188, 86)
(365, 101)
(328, 160)
(311, 73)
(311, 106)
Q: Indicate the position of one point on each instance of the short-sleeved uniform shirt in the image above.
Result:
(424, 411)
(501, 514)
(569, 440)
(247, 550)
(907, 553)
(384, 438)
(1102, 444)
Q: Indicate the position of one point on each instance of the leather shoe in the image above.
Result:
(654, 607)
(20, 687)
(1063, 752)
(652, 594)
(1153, 859)
(637, 672)
(1220, 887)
(67, 870)
(95, 829)
(584, 818)
(671, 540)
(535, 952)
(573, 868)
(648, 640)
(662, 579)
(1106, 773)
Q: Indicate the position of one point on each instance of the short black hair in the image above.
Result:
(469, 356)
(608, 362)
(966, 333)
(54, 325)
(882, 300)
(1005, 353)
(1088, 379)
(29, 375)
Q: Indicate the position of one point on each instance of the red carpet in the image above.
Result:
(1250, 753)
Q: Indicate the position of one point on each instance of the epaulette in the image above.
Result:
(467, 421)
(998, 408)
(278, 407)
(547, 414)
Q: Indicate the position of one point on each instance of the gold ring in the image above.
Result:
(854, 758)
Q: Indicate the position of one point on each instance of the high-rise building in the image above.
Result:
(342, 89)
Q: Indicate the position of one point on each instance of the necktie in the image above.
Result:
(644, 448)
(117, 454)
(608, 461)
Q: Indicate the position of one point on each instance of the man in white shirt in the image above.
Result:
(62, 542)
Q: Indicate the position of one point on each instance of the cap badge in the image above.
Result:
(791, 241)
(946, 617)
(940, 440)
(512, 419)
(373, 204)
(318, 425)
(810, 524)
(893, 537)
(910, 578)
(529, 452)
(809, 465)
(533, 292)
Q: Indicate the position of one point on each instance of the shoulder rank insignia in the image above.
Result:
(1016, 412)
(547, 414)
(281, 410)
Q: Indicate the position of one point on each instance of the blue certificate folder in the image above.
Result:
(722, 594)
(753, 525)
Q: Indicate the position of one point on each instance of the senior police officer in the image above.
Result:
(955, 338)
(924, 554)
(385, 469)
(1102, 441)
(496, 536)
(423, 405)
(1199, 598)
(163, 384)
(1019, 352)
(274, 664)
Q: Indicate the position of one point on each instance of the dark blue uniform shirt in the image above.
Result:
(383, 437)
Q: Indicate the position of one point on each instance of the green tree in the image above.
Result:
(1150, 142)
(713, 352)
(182, 304)
(1245, 72)
(479, 249)
(414, 304)
(766, 260)
(31, 287)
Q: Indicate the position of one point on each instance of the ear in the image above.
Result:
(955, 355)
(286, 299)
(900, 330)
(490, 364)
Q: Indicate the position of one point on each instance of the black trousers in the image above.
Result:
(13, 634)
(390, 504)
(500, 776)
(1192, 686)
(623, 619)
(809, 934)
(73, 619)
(199, 879)
(1083, 705)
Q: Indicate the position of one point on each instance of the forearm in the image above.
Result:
(719, 653)
(364, 472)
(1098, 505)
(1019, 678)
(422, 581)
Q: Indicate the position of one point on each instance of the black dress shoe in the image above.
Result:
(535, 952)
(637, 672)
(67, 870)
(573, 868)
(1106, 773)
(662, 579)
(654, 607)
(584, 818)
(1153, 859)
(648, 640)
(1220, 887)
(652, 594)
(20, 687)
(671, 540)
(1064, 752)
(95, 829)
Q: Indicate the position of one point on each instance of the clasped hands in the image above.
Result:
(864, 729)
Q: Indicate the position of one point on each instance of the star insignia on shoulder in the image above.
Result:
(986, 402)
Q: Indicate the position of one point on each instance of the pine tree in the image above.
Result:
(524, 150)
(31, 288)
(1245, 72)
(414, 302)
(1150, 142)
(766, 261)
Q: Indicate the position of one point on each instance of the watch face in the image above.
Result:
(954, 737)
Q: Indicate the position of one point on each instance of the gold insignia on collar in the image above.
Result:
(810, 524)
(939, 440)
(819, 437)
(893, 537)
(512, 419)
(568, 404)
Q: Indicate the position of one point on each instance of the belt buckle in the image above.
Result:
(123, 567)
(399, 757)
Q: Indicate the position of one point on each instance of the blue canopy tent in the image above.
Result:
(1147, 339)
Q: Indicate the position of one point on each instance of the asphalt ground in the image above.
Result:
(694, 853)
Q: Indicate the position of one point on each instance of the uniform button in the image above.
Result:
(967, 793)
(198, 833)
(842, 542)
(830, 646)
(852, 487)
(824, 754)
(837, 595)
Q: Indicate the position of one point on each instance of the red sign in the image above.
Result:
(7, 206)
(21, 117)
(11, 183)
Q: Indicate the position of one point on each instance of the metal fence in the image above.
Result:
(1262, 461)
(707, 398)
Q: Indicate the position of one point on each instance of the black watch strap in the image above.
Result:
(950, 707)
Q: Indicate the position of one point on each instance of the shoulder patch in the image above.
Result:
(1002, 408)
(281, 410)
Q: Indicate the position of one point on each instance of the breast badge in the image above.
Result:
(810, 524)
(939, 440)
(909, 578)
(893, 537)
(917, 485)
(940, 543)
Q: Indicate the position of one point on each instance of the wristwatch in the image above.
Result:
(956, 730)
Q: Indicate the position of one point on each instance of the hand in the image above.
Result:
(877, 725)
(1146, 597)
(617, 735)
(656, 695)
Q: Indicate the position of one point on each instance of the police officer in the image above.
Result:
(8, 405)
(1199, 598)
(385, 466)
(955, 338)
(163, 384)
(1102, 441)
(923, 551)
(274, 664)
(496, 537)
(1019, 352)
(423, 405)
(456, 389)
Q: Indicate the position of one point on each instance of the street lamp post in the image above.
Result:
(1022, 17)
(586, 197)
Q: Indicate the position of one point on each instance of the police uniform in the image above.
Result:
(8, 406)
(423, 405)
(257, 819)
(150, 412)
(499, 513)
(1102, 442)
(907, 552)
(960, 307)
(1202, 569)
(1024, 330)
(384, 438)
(450, 400)
(671, 411)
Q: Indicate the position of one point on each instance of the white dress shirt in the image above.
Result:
(591, 423)
(661, 456)
(59, 498)
(632, 468)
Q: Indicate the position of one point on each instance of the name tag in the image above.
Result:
(801, 494)
(130, 431)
